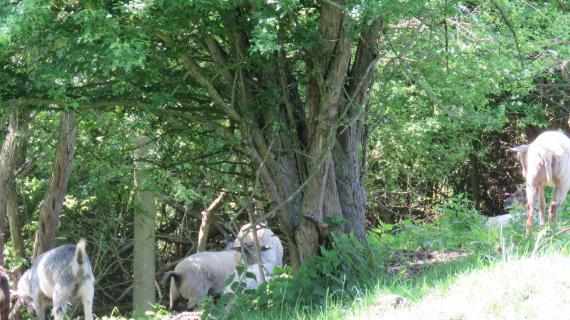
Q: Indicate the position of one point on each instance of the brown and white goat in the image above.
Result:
(546, 161)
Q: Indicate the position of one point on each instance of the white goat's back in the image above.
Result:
(201, 273)
(498, 221)
(214, 267)
(548, 160)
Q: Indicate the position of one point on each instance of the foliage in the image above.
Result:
(452, 91)
(452, 94)
(339, 272)
(459, 227)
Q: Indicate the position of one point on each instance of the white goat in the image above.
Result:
(498, 221)
(269, 243)
(546, 161)
(197, 275)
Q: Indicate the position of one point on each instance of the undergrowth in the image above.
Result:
(410, 259)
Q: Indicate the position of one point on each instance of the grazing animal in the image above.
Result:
(59, 276)
(498, 221)
(270, 244)
(517, 198)
(4, 295)
(546, 161)
(199, 274)
(252, 282)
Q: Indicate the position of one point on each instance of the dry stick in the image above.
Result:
(509, 24)
(539, 245)
(207, 216)
(253, 230)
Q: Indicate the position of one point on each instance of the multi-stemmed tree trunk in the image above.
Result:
(53, 201)
(144, 232)
(306, 147)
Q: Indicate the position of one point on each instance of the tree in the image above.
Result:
(293, 78)
(7, 168)
(53, 201)
(144, 232)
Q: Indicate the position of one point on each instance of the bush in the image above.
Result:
(337, 273)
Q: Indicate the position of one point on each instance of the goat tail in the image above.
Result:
(548, 169)
(81, 260)
(169, 275)
(80, 252)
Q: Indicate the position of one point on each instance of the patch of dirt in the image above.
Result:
(410, 263)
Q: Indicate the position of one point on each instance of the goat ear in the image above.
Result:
(521, 148)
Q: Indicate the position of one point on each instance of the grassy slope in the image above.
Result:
(525, 288)
(495, 276)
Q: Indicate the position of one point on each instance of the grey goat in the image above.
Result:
(199, 274)
(59, 276)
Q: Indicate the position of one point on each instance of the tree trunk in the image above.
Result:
(349, 167)
(12, 209)
(53, 202)
(7, 167)
(14, 223)
(144, 232)
(207, 219)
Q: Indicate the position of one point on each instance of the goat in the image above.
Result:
(546, 161)
(270, 244)
(498, 221)
(4, 294)
(199, 274)
(516, 199)
(58, 276)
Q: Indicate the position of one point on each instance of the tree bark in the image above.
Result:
(7, 167)
(53, 202)
(14, 223)
(144, 232)
(207, 219)
(12, 209)
(346, 154)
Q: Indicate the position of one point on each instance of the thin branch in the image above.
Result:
(60, 103)
(511, 28)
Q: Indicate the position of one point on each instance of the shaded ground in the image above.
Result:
(410, 263)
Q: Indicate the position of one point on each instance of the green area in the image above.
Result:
(372, 136)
